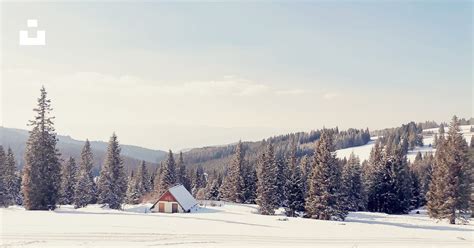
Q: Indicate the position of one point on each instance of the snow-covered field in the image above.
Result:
(226, 226)
(364, 151)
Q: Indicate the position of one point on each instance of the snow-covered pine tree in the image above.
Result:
(157, 180)
(181, 176)
(86, 190)
(325, 201)
(352, 184)
(234, 184)
(266, 184)
(306, 169)
(168, 176)
(435, 140)
(281, 180)
(41, 173)
(213, 191)
(68, 182)
(4, 199)
(11, 180)
(144, 180)
(198, 180)
(250, 182)
(294, 187)
(375, 183)
(134, 188)
(112, 184)
(472, 141)
(449, 193)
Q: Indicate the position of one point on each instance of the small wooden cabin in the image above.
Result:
(176, 199)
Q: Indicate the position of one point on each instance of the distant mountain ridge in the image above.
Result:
(132, 155)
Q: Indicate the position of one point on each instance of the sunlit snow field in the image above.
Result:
(364, 151)
(226, 226)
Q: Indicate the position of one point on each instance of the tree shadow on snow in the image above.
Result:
(369, 219)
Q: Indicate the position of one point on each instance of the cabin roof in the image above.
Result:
(182, 196)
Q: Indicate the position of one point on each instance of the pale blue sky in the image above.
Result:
(194, 74)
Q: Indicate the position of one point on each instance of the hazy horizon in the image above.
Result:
(184, 75)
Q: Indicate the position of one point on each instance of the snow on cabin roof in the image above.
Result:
(183, 197)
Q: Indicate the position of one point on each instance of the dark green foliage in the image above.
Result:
(41, 173)
(168, 175)
(112, 184)
(352, 184)
(325, 197)
(86, 189)
(68, 182)
(9, 180)
(450, 189)
(295, 185)
(266, 184)
(232, 188)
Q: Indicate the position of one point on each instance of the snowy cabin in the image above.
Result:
(176, 200)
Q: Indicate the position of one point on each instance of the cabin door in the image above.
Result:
(161, 207)
(174, 208)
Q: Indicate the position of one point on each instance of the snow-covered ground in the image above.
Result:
(227, 226)
(364, 151)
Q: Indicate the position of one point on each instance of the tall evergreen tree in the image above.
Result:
(449, 192)
(281, 181)
(168, 176)
(352, 184)
(266, 184)
(182, 176)
(41, 173)
(134, 189)
(68, 182)
(9, 179)
(294, 187)
(86, 189)
(306, 169)
(112, 184)
(234, 184)
(143, 180)
(325, 195)
(374, 178)
(250, 183)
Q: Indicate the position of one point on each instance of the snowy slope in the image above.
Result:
(229, 226)
(364, 151)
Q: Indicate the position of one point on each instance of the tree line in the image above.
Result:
(316, 185)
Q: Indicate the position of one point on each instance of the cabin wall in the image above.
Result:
(168, 207)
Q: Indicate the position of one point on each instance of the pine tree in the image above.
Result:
(134, 189)
(168, 176)
(86, 190)
(182, 177)
(4, 200)
(198, 180)
(41, 173)
(9, 180)
(374, 178)
(266, 184)
(449, 192)
(233, 185)
(68, 182)
(281, 181)
(112, 184)
(294, 187)
(12, 180)
(144, 181)
(157, 180)
(306, 169)
(325, 195)
(352, 184)
(213, 191)
(435, 140)
(250, 183)
(472, 142)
